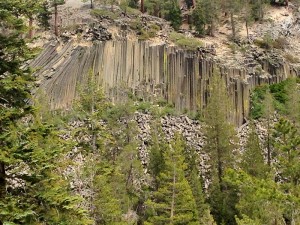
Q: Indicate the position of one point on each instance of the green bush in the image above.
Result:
(185, 42)
(104, 13)
(144, 32)
(257, 96)
(278, 91)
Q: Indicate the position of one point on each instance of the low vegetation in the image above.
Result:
(182, 41)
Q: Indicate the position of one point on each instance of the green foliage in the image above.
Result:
(199, 19)
(205, 16)
(173, 201)
(268, 43)
(184, 42)
(218, 130)
(35, 154)
(144, 32)
(104, 13)
(282, 93)
(257, 97)
(261, 201)
(287, 146)
(174, 14)
(130, 7)
(44, 15)
(252, 158)
(219, 146)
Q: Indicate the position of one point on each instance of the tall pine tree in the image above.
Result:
(173, 202)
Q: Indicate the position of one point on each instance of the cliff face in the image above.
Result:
(150, 70)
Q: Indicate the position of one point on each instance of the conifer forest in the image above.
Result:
(149, 112)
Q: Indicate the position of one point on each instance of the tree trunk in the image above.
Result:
(2, 183)
(92, 5)
(30, 33)
(173, 193)
(268, 145)
(219, 158)
(55, 20)
(194, 3)
(232, 26)
(247, 29)
(142, 6)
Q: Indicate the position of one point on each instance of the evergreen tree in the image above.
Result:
(233, 7)
(173, 14)
(293, 101)
(258, 10)
(260, 200)
(55, 4)
(15, 81)
(287, 146)
(30, 9)
(44, 15)
(253, 159)
(195, 181)
(208, 13)
(36, 191)
(219, 132)
(219, 146)
(199, 19)
(173, 202)
(268, 112)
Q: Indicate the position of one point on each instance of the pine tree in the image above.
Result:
(293, 101)
(253, 159)
(208, 13)
(219, 146)
(233, 7)
(173, 202)
(219, 132)
(30, 9)
(90, 107)
(44, 16)
(260, 200)
(268, 112)
(36, 191)
(173, 14)
(195, 180)
(55, 4)
(287, 146)
(199, 19)
(15, 81)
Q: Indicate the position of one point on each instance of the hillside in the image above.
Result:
(185, 113)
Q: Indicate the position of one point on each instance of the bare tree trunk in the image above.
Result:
(142, 6)
(55, 20)
(2, 179)
(232, 25)
(247, 29)
(219, 158)
(268, 145)
(194, 3)
(92, 5)
(173, 194)
(30, 33)
(2, 183)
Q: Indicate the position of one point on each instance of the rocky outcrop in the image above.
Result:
(150, 70)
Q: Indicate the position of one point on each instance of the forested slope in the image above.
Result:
(138, 159)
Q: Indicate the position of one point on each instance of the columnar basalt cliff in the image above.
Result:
(150, 70)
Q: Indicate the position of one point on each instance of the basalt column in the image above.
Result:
(148, 70)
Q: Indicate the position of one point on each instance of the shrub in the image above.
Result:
(291, 58)
(185, 42)
(104, 13)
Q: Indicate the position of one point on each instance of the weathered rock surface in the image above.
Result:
(179, 76)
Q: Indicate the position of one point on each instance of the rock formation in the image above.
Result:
(151, 70)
